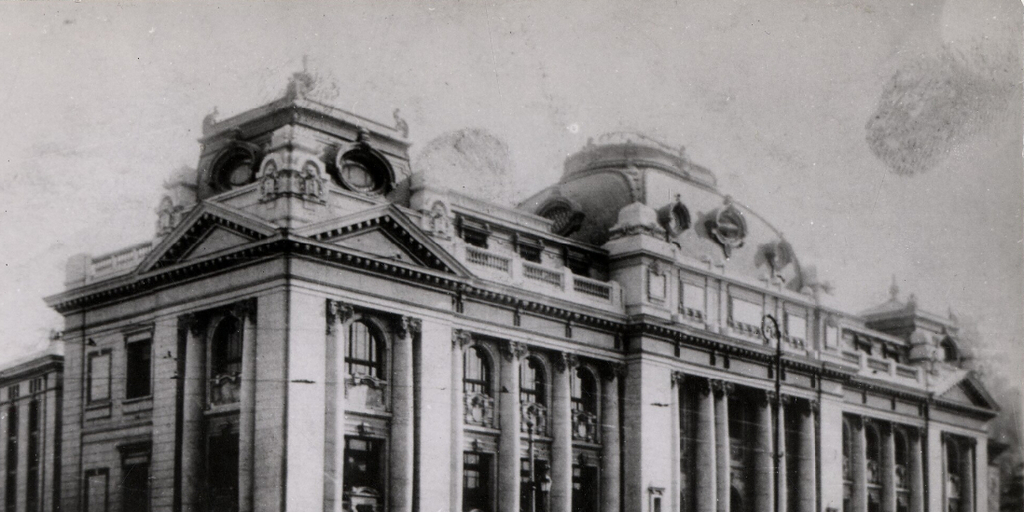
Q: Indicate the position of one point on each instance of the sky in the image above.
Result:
(882, 137)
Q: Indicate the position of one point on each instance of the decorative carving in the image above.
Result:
(478, 409)
(244, 309)
(437, 221)
(513, 351)
(564, 361)
(338, 313)
(584, 426)
(613, 371)
(535, 415)
(729, 228)
(195, 323)
(568, 328)
(209, 121)
(461, 338)
(400, 124)
(678, 378)
(305, 183)
(722, 388)
(408, 326)
(702, 386)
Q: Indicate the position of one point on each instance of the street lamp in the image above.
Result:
(532, 415)
(770, 332)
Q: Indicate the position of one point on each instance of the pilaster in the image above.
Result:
(509, 443)
(434, 421)
(306, 403)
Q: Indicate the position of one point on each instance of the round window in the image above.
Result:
(360, 172)
(235, 169)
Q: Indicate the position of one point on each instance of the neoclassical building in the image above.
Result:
(317, 326)
(30, 431)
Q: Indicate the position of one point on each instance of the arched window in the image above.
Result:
(949, 351)
(476, 372)
(365, 353)
(226, 348)
(531, 382)
(584, 391)
(226, 361)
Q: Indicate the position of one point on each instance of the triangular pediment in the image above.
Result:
(209, 229)
(386, 233)
(970, 392)
(380, 243)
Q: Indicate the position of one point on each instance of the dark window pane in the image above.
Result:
(139, 369)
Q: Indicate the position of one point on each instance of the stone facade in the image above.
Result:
(327, 330)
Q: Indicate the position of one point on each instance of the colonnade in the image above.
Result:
(887, 478)
(713, 450)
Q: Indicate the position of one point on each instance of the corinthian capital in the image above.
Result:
(513, 351)
(337, 313)
(461, 338)
(564, 361)
(408, 326)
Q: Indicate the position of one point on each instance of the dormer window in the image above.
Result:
(950, 354)
(235, 167)
(577, 261)
(529, 248)
(474, 232)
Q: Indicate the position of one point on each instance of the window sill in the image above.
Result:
(134, 405)
(98, 404)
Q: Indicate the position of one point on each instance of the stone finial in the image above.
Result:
(894, 289)
(400, 124)
(209, 121)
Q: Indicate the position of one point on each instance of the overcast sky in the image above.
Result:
(883, 138)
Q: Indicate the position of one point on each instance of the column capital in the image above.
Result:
(513, 351)
(813, 406)
(765, 398)
(244, 309)
(461, 338)
(703, 386)
(722, 388)
(338, 313)
(678, 378)
(194, 322)
(407, 326)
(612, 371)
(787, 400)
(564, 361)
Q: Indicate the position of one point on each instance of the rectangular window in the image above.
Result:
(745, 314)
(99, 376)
(135, 478)
(364, 476)
(831, 336)
(11, 496)
(796, 327)
(95, 491)
(529, 248)
(13, 392)
(476, 481)
(691, 301)
(474, 232)
(138, 368)
(32, 479)
(584, 488)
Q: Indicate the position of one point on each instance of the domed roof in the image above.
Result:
(703, 223)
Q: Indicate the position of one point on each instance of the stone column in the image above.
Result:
(916, 470)
(783, 505)
(561, 442)
(723, 454)
(860, 467)
(192, 459)
(611, 461)
(808, 488)
(508, 446)
(706, 479)
(402, 429)
(967, 475)
(764, 466)
(246, 312)
(888, 468)
(338, 316)
(460, 340)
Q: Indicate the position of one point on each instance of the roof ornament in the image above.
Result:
(400, 124)
(894, 289)
(729, 227)
(300, 83)
(209, 121)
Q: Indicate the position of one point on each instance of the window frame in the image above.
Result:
(130, 369)
(486, 383)
(377, 344)
(580, 403)
(540, 375)
(685, 308)
(90, 358)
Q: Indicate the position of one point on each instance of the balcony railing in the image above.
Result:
(555, 282)
(363, 392)
(481, 257)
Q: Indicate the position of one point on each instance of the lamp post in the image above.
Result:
(770, 332)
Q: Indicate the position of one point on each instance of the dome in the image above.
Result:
(705, 224)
